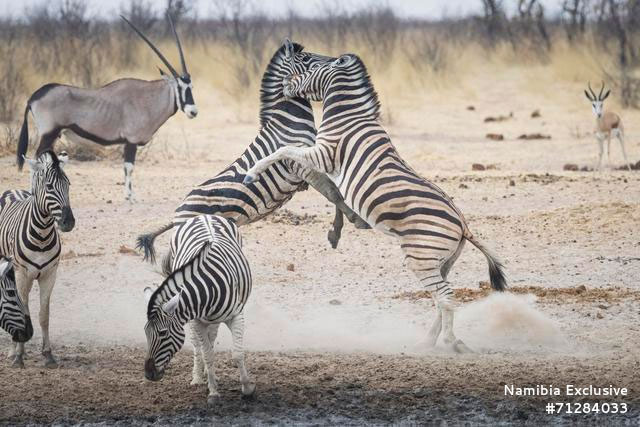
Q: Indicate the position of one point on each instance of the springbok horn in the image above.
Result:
(592, 92)
(175, 34)
(155, 49)
(601, 89)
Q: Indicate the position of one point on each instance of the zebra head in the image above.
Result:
(13, 317)
(313, 83)
(50, 187)
(597, 102)
(181, 83)
(165, 336)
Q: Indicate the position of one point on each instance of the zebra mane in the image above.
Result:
(366, 79)
(273, 73)
(54, 163)
(173, 284)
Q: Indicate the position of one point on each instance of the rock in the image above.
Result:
(291, 267)
(477, 167)
(495, 136)
(499, 118)
(602, 306)
(599, 315)
(335, 302)
(580, 289)
(530, 136)
(512, 183)
(463, 185)
(570, 167)
(535, 114)
(471, 108)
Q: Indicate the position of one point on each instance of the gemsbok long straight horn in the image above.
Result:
(608, 123)
(127, 111)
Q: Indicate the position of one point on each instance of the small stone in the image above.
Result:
(571, 167)
(599, 315)
(580, 289)
(463, 185)
(602, 306)
(512, 183)
(477, 167)
(291, 267)
(335, 302)
(495, 136)
(535, 114)
(471, 108)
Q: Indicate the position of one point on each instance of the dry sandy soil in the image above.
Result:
(337, 336)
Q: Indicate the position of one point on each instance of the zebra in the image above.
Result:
(357, 154)
(283, 122)
(125, 111)
(209, 284)
(13, 315)
(29, 236)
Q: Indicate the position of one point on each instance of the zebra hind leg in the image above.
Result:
(236, 325)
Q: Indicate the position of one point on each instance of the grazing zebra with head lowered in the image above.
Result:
(13, 315)
(125, 111)
(356, 152)
(209, 284)
(29, 236)
(283, 122)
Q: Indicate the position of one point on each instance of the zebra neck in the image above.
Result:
(40, 224)
(358, 102)
(171, 287)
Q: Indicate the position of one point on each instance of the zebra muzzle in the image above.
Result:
(150, 371)
(24, 335)
(67, 220)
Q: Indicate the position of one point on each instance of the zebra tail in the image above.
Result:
(145, 243)
(496, 273)
(23, 140)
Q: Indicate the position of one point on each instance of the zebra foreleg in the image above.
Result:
(304, 156)
(24, 284)
(236, 325)
(436, 328)
(198, 371)
(46, 288)
(207, 335)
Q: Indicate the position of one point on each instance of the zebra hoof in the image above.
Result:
(248, 389)
(49, 361)
(197, 381)
(460, 347)
(17, 363)
(213, 399)
(334, 238)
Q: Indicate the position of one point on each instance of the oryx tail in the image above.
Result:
(23, 140)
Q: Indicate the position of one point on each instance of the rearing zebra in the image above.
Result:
(357, 154)
(28, 235)
(13, 315)
(209, 285)
(284, 121)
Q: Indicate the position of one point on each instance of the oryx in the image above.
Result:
(126, 111)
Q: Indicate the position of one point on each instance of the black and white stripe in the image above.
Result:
(284, 121)
(357, 153)
(210, 284)
(13, 315)
(29, 235)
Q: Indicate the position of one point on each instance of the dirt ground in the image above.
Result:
(337, 336)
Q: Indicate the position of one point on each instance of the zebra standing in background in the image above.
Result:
(284, 121)
(28, 235)
(209, 285)
(13, 315)
(356, 152)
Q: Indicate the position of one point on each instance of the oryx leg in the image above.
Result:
(206, 334)
(24, 284)
(46, 283)
(130, 151)
(236, 325)
(620, 136)
(47, 140)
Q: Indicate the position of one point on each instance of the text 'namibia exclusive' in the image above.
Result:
(568, 390)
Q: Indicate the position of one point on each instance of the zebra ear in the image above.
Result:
(288, 49)
(5, 266)
(147, 294)
(170, 306)
(63, 158)
(34, 165)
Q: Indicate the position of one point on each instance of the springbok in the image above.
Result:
(126, 111)
(607, 123)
